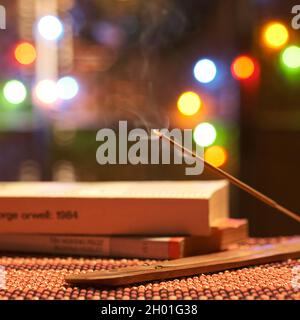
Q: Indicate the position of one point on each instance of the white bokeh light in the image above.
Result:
(50, 28)
(205, 134)
(46, 91)
(67, 88)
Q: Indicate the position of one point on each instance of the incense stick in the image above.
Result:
(258, 195)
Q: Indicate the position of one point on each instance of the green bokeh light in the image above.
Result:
(14, 92)
(291, 57)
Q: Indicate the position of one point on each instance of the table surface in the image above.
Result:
(42, 277)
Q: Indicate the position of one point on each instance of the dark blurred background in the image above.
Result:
(72, 67)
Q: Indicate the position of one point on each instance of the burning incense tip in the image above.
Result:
(256, 194)
(157, 132)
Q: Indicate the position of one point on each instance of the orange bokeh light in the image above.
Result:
(25, 53)
(243, 67)
(216, 155)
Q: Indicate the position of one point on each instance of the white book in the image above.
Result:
(113, 208)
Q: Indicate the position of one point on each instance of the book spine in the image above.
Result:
(125, 247)
(93, 216)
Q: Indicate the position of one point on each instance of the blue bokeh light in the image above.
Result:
(205, 71)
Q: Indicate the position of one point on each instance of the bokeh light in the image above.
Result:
(67, 88)
(50, 28)
(291, 57)
(25, 53)
(46, 91)
(243, 67)
(108, 34)
(216, 156)
(64, 171)
(275, 35)
(14, 92)
(29, 170)
(205, 134)
(205, 71)
(189, 103)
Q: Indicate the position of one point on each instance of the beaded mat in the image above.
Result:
(39, 277)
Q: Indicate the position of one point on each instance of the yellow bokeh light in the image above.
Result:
(275, 35)
(189, 103)
(216, 155)
(25, 53)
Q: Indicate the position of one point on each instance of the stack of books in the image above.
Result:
(154, 219)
